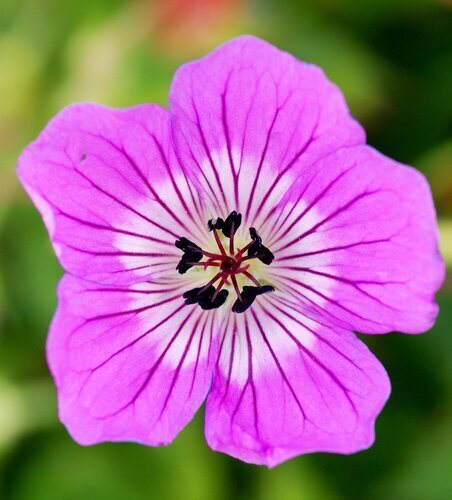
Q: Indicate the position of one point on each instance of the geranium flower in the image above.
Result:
(227, 249)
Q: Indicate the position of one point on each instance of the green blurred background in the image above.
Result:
(393, 60)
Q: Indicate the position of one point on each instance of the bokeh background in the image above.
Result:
(393, 60)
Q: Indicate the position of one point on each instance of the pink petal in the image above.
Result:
(357, 240)
(111, 195)
(129, 363)
(288, 385)
(248, 117)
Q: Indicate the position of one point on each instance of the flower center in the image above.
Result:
(230, 265)
(230, 262)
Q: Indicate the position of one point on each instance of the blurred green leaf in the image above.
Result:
(425, 471)
(30, 273)
(437, 166)
(115, 471)
(296, 480)
(25, 408)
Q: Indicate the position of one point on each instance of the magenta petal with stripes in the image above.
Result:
(105, 182)
(247, 118)
(130, 363)
(288, 385)
(228, 248)
(368, 259)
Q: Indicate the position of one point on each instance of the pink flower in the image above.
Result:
(227, 249)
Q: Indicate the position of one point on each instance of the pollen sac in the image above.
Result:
(265, 256)
(257, 249)
(232, 223)
(256, 244)
(187, 262)
(193, 296)
(186, 245)
(248, 296)
(215, 223)
(208, 303)
(204, 297)
(192, 253)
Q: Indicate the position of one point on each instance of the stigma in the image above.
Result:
(232, 263)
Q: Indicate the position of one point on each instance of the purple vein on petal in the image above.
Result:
(232, 334)
(264, 153)
(152, 370)
(335, 248)
(128, 207)
(326, 298)
(132, 311)
(208, 155)
(193, 216)
(249, 383)
(140, 174)
(279, 366)
(251, 377)
(178, 368)
(287, 168)
(202, 337)
(117, 253)
(100, 226)
(353, 283)
(330, 217)
(211, 194)
(224, 120)
(320, 338)
(313, 203)
(312, 357)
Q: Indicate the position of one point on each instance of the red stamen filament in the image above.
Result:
(231, 240)
(241, 269)
(236, 287)
(220, 245)
(243, 250)
(212, 255)
(206, 264)
(249, 258)
(222, 282)
(211, 282)
(252, 278)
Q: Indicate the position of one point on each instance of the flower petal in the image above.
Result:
(130, 363)
(356, 238)
(288, 385)
(248, 116)
(111, 195)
